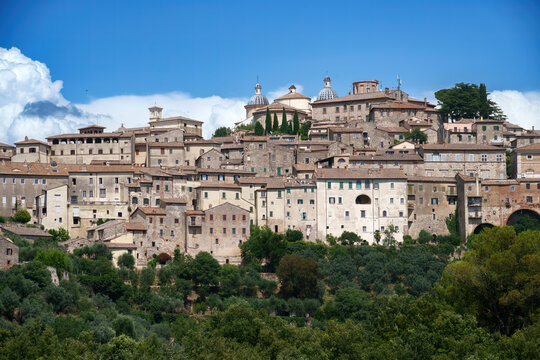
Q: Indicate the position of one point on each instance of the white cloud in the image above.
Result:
(32, 105)
(132, 110)
(521, 108)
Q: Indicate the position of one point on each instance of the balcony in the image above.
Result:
(473, 201)
(410, 204)
(475, 215)
(194, 222)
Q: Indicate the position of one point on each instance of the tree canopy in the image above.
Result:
(467, 101)
(498, 279)
(222, 132)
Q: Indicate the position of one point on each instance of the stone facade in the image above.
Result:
(526, 161)
(485, 203)
(431, 201)
(9, 253)
(446, 160)
(219, 230)
(361, 201)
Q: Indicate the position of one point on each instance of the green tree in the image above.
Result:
(222, 132)
(204, 270)
(229, 280)
(275, 128)
(264, 245)
(349, 238)
(284, 123)
(483, 101)
(126, 260)
(296, 123)
(59, 235)
(389, 238)
(497, 279)
(417, 135)
(9, 301)
(22, 216)
(268, 123)
(526, 222)
(352, 303)
(123, 325)
(259, 130)
(304, 129)
(298, 276)
(464, 101)
(55, 258)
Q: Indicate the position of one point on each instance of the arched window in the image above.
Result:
(363, 200)
(341, 161)
(384, 213)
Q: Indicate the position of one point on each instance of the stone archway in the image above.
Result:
(514, 217)
(480, 227)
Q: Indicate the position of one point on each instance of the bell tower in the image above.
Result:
(155, 113)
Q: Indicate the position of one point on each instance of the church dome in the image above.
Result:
(327, 92)
(258, 98)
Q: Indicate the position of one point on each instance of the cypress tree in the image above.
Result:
(284, 124)
(296, 123)
(259, 131)
(483, 102)
(275, 128)
(268, 123)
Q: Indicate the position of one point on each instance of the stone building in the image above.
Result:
(362, 201)
(27, 233)
(92, 143)
(219, 230)
(6, 152)
(527, 138)
(275, 159)
(255, 102)
(211, 159)
(31, 151)
(459, 132)
(486, 203)
(431, 200)
(295, 100)
(526, 162)
(446, 160)
(165, 154)
(9, 253)
(288, 205)
(489, 132)
(22, 183)
(160, 235)
(353, 136)
(193, 149)
(97, 192)
(190, 126)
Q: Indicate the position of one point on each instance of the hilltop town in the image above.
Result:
(375, 162)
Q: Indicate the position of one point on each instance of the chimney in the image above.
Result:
(425, 102)
(386, 91)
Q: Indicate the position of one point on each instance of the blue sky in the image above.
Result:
(218, 48)
(109, 60)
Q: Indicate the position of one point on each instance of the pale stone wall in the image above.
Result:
(30, 153)
(388, 206)
(222, 230)
(431, 201)
(82, 150)
(9, 253)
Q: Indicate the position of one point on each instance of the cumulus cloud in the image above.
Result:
(521, 108)
(32, 105)
(132, 110)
